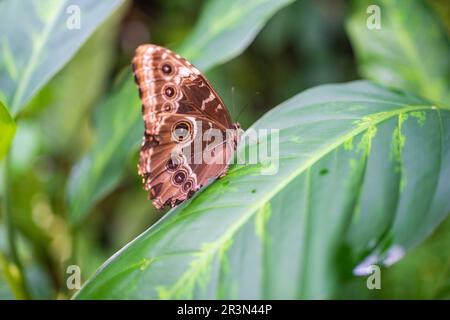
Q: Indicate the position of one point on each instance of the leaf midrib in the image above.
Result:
(32, 62)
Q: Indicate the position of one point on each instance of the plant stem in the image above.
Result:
(14, 268)
(10, 273)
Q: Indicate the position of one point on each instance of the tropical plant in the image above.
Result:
(363, 167)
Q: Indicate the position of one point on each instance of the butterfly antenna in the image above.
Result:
(242, 110)
(232, 101)
(245, 107)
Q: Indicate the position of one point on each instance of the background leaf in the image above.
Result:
(117, 136)
(7, 130)
(31, 52)
(226, 28)
(50, 135)
(363, 176)
(424, 273)
(410, 51)
(100, 170)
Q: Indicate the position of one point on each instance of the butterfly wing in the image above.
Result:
(185, 120)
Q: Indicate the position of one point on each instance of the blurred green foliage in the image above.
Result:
(7, 128)
(400, 54)
(303, 45)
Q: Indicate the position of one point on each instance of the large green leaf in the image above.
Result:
(7, 130)
(38, 38)
(410, 50)
(99, 170)
(364, 175)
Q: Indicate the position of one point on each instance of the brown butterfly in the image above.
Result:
(189, 137)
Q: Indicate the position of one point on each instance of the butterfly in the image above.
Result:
(189, 137)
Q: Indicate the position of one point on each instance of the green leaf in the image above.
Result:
(363, 176)
(118, 134)
(38, 38)
(65, 110)
(226, 28)
(410, 51)
(87, 183)
(7, 130)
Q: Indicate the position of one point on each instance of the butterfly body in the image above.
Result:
(189, 137)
